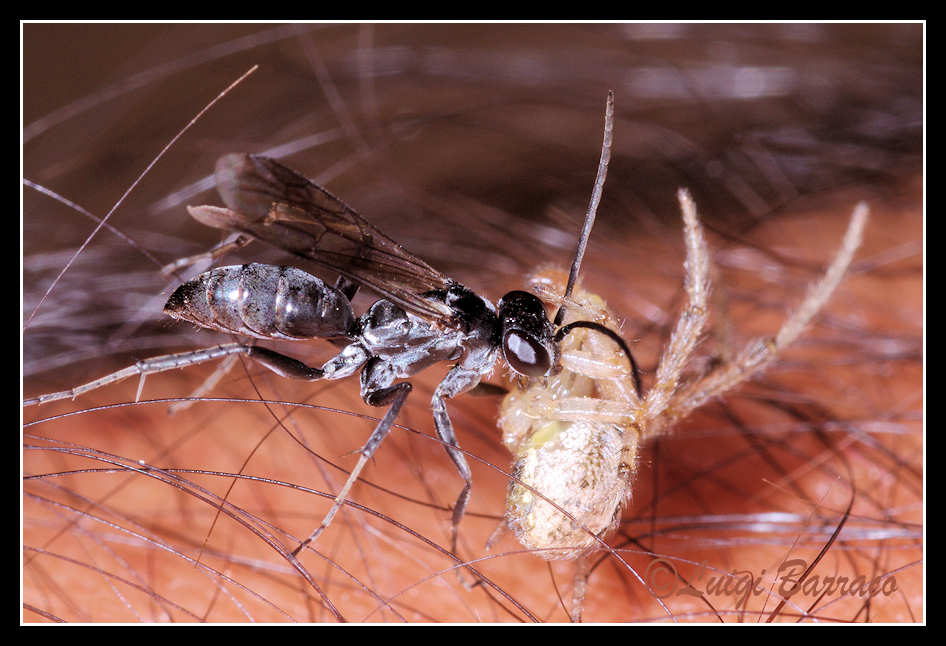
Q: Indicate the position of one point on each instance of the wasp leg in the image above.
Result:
(484, 389)
(207, 386)
(393, 395)
(278, 363)
(347, 287)
(231, 243)
(458, 380)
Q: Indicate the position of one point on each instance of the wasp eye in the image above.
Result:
(526, 355)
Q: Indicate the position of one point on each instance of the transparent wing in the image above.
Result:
(278, 205)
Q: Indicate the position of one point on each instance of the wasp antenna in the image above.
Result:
(592, 205)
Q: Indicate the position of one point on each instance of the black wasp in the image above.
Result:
(423, 317)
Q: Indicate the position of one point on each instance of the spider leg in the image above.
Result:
(610, 372)
(580, 587)
(759, 353)
(690, 325)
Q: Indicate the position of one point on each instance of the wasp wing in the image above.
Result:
(276, 204)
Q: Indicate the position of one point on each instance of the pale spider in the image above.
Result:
(576, 435)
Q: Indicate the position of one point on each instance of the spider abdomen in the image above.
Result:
(583, 468)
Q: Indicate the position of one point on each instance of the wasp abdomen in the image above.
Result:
(264, 301)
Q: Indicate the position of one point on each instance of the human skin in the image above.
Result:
(739, 487)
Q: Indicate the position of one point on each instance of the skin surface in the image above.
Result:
(451, 152)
